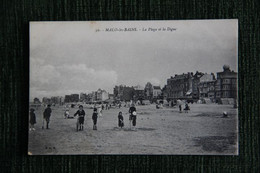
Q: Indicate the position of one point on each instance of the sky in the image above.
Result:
(71, 57)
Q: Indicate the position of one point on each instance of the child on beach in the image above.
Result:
(81, 115)
(187, 108)
(120, 120)
(66, 113)
(32, 119)
(100, 111)
(94, 118)
(180, 108)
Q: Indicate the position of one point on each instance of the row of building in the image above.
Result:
(186, 86)
(56, 100)
(126, 93)
(202, 85)
(95, 96)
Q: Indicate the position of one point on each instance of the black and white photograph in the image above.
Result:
(133, 87)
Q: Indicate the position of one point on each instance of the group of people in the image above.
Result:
(97, 112)
(132, 117)
(81, 117)
(46, 116)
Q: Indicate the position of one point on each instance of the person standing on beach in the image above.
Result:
(120, 120)
(100, 111)
(81, 115)
(187, 108)
(180, 107)
(32, 119)
(47, 115)
(132, 116)
(94, 118)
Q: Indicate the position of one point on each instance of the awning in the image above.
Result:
(188, 93)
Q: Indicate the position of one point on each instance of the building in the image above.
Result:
(111, 96)
(179, 86)
(148, 91)
(75, 97)
(55, 100)
(82, 97)
(164, 92)
(195, 84)
(46, 100)
(102, 95)
(226, 84)
(88, 97)
(123, 93)
(71, 98)
(139, 93)
(67, 99)
(207, 86)
(157, 92)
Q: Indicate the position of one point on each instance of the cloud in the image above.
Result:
(48, 80)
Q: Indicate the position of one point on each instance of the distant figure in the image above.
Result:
(132, 116)
(120, 120)
(94, 118)
(119, 105)
(103, 107)
(107, 106)
(81, 115)
(32, 119)
(180, 108)
(66, 114)
(187, 108)
(225, 114)
(100, 111)
(47, 115)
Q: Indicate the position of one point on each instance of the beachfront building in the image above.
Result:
(46, 100)
(195, 84)
(123, 93)
(207, 86)
(164, 92)
(111, 96)
(139, 93)
(226, 84)
(71, 98)
(102, 95)
(148, 91)
(157, 92)
(179, 86)
(82, 97)
(91, 97)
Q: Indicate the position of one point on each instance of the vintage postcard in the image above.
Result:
(134, 87)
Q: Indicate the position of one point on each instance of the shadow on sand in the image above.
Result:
(215, 143)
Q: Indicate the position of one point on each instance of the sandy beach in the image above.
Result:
(202, 131)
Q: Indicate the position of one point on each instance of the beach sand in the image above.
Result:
(202, 131)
